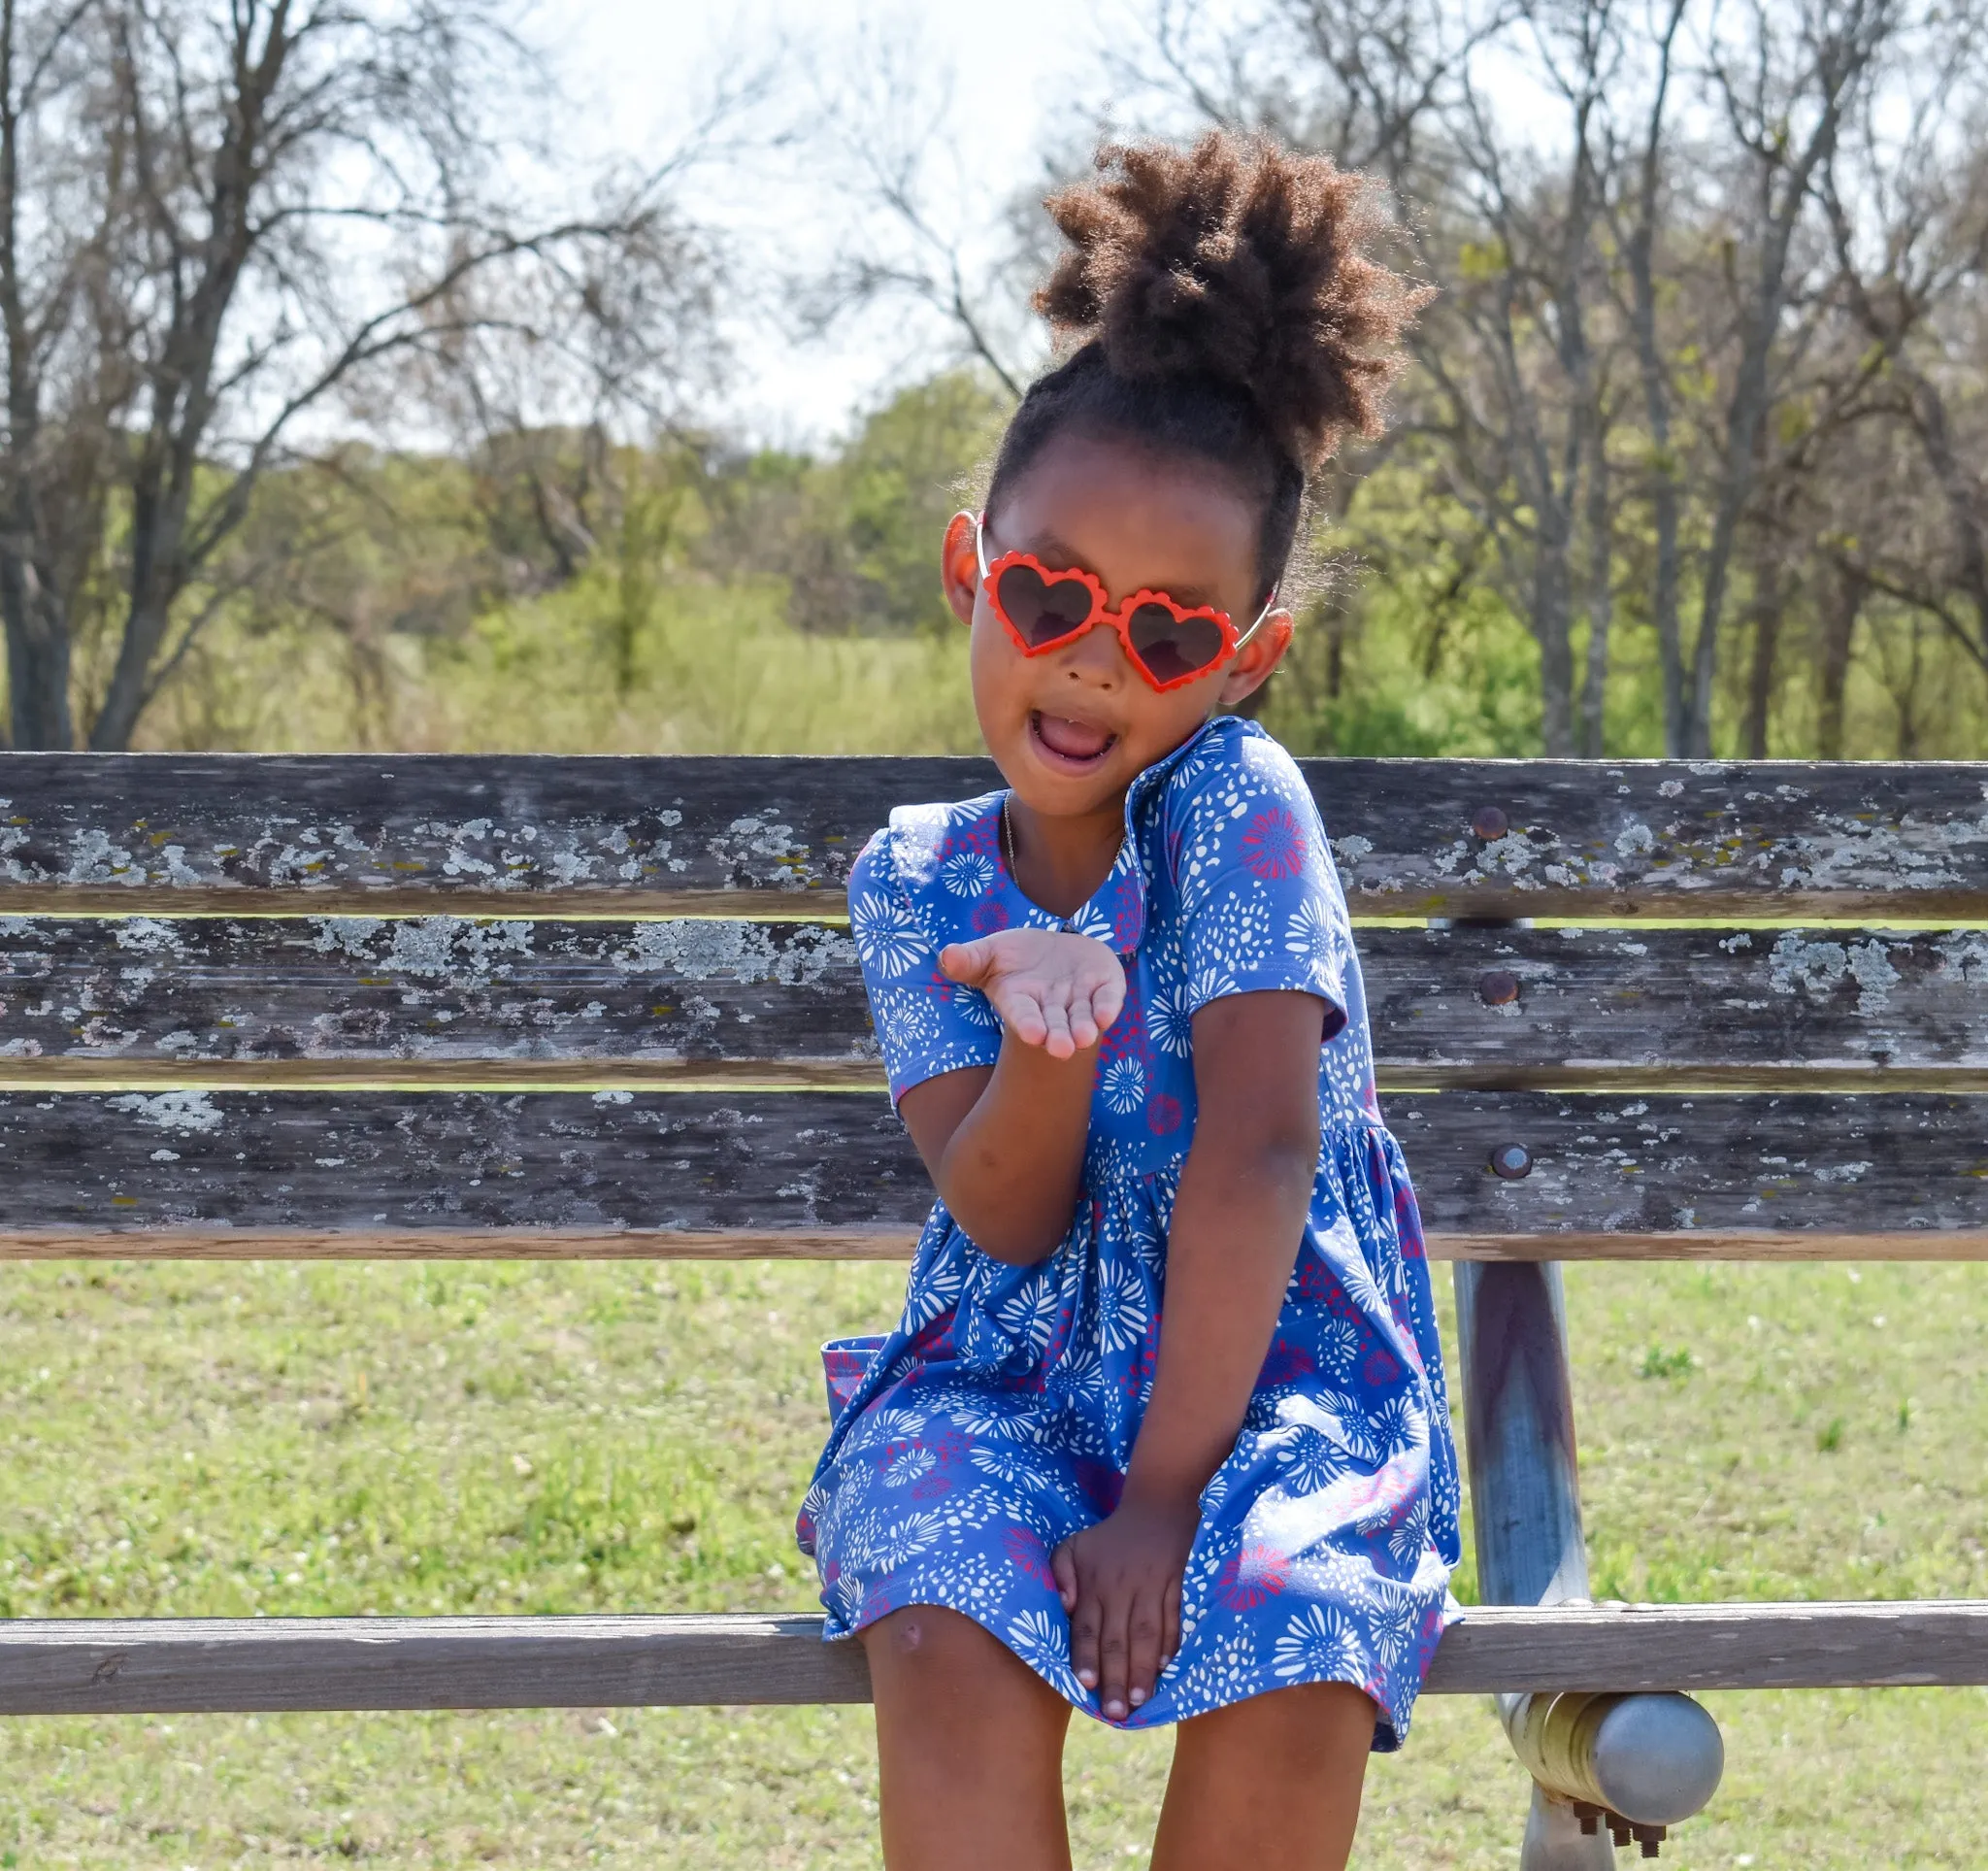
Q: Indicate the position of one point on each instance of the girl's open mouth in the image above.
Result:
(1068, 742)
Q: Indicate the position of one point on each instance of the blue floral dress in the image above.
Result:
(1000, 1416)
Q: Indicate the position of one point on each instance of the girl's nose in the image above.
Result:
(1097, 656)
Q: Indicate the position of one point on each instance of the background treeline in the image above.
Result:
(338, 414)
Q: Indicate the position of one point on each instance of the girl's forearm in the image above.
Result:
(1011, 1171)
(1238, 1219)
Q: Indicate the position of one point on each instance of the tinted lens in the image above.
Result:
(1040, 610)
(1172, 646)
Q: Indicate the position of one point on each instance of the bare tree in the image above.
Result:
(1785, 88)
(1907, 194)
(912, 204)
(219, 219)
(1611, 196)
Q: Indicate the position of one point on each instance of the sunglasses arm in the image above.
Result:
(1270, 605)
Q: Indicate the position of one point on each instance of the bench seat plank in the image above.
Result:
(366, 1173)
(185, 1666)
(443, 999)
(1415, 838)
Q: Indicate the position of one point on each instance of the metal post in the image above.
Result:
(1638, 1763)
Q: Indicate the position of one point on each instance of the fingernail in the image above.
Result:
(1138, 1696)
(1089, 1678)
(1116, 1710)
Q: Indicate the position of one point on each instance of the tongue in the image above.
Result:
(1074, 740)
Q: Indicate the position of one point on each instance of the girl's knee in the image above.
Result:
(1310, 1722)
(932, 1645)
(954, 1701)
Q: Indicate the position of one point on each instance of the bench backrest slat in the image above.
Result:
(324, 1000)
(1415, 838)
(673, 1173)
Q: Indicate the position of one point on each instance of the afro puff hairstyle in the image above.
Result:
(1219, 304)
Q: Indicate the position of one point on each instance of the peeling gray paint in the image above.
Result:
(1816, 966)
(181, 1111)
(743, 952)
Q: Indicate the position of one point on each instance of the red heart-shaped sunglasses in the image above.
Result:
(1044, 609)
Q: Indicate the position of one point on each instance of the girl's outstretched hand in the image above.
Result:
(1051, 989)
(1120, 1583)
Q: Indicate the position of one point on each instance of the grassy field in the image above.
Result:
(287, 1440)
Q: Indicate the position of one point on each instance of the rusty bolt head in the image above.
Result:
(1511, 1162)
(1498, 988)
(1489, 823)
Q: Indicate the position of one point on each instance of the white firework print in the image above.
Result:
(1092, 921)
(904, 1539)
(1124, 1085)
(1146, 1239)
(1321, 1644)
(1030, 1311)
(888, 941)
(999, 1417)
(968, 874)
(1339, 1345)
(1346, 1419)
(1170, 1019)
(1313, 937)
(1397, 1424)
(1409, 1540)
(1394, 1629)
(1125, 1309)
(895, 1424)
(905, 1017)
(938, 1292)
(1003, 1461)
(909, 1465)
(1308, 1463)
(1080, 1376)
(1041, 1642)
(1208, 984)
(973, 1009)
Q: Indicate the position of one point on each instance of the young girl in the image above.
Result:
(1162, 1433)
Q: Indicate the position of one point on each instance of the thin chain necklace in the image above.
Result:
(1067, 923)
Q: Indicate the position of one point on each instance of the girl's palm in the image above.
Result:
(1051, 989)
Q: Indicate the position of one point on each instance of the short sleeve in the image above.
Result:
(1260, 905)
(925, 1023)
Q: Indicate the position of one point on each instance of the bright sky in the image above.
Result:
(1010, 64)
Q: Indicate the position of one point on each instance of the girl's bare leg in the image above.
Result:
(1267, 1784)
(970, 1743)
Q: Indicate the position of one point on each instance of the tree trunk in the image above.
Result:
(1759, 681)
(1594, 695)
(1552, 625)
(37, 658)
(1842, 599)
(145, 630)
(1656, 391)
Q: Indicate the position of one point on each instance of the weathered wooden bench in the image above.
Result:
(307, 1008)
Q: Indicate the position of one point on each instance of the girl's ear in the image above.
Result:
(959, 566)
(1259, 658)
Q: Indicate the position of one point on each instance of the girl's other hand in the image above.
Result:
(1120, 1583)
(1051, 989)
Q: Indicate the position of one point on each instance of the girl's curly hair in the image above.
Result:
(1221, 302)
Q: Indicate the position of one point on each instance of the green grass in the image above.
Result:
(289, 1440)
